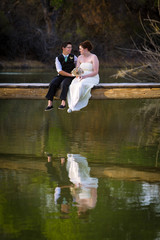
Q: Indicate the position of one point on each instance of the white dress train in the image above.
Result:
(79, 171)
(84, 191)
(79, 90)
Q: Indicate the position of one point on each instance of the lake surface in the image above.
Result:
(92, 174)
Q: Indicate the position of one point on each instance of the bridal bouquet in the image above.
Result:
(77, 71)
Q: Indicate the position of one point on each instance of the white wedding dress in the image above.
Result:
(79, 90)
(79, 171)
(84, 190)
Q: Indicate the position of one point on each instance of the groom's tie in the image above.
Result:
(65, 58)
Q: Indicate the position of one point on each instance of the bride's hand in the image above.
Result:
(81, 77)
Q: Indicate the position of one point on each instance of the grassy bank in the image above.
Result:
(26, 64)
(22, 64)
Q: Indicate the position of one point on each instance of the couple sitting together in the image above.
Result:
(76, 83)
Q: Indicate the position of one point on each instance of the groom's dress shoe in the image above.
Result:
(61, 107)
(49, 108)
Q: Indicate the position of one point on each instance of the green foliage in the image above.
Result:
(35, 29)
(57, 3)
(80, 30)
(5, 26)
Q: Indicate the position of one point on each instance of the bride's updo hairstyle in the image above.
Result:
(86, 44)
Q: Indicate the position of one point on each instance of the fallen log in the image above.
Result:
(100, 91)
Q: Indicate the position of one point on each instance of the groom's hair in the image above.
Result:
(64, 44)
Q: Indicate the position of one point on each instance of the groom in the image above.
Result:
(65, 63)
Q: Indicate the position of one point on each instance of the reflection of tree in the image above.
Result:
(108, 130)
(100, 123)
(132, 208)
(39, 131)
(150, 134)
(112, 129)
(127, 211)
(18, 205)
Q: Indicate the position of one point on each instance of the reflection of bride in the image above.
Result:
(79, 90)
(85, 190)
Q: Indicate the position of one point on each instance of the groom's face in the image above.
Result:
(67, 50)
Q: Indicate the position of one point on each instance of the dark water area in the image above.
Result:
(92, 174)
(46, 75)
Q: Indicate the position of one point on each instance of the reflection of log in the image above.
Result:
(116, 172)
(101, 91)
(127, 174)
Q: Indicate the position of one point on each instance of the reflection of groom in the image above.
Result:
(65, 63)
(59, 175)
(57, 172)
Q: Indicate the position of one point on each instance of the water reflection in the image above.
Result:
(107, 131)
(51, 197)
(85, 187)
(45, 75)
(150, 195)
(27, 75)
(74, 185)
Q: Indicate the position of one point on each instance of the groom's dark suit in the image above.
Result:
(64, 81)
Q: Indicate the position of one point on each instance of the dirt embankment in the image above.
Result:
(22, 64)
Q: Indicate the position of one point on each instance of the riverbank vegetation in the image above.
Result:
(33, 30)
(149, 64)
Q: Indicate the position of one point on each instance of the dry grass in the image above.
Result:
(23, 64)
(149, 52)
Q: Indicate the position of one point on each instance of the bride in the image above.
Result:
(80, 88)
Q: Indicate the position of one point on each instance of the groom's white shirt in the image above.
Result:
(58, 64)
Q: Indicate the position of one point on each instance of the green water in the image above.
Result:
(120, 142)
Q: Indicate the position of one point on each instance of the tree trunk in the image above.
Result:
(48, 11)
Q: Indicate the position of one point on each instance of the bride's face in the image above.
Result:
(82, 50)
